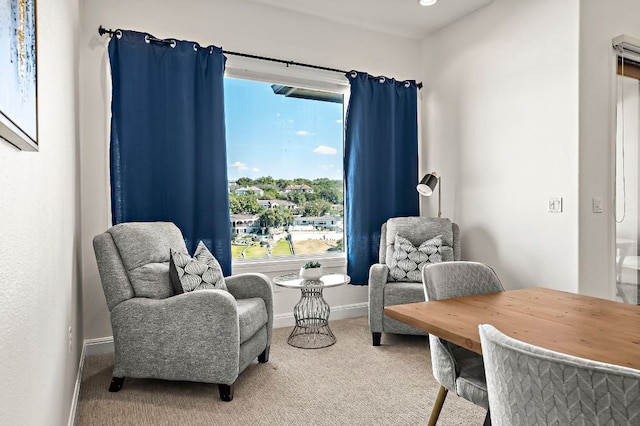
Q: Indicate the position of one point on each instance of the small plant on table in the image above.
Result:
(311, 270)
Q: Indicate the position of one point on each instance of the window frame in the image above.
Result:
(309, 78)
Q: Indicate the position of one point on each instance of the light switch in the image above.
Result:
(555, 205)
(597, 205)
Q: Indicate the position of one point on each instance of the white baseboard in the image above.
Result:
(103, 345)
(337, 312)
(89, 347)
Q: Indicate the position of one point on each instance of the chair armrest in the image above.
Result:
(443, 363)
(178, 337)
(378, 275)
(246, 286)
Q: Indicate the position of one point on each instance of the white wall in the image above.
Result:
(39, 229)
(500, 124)
(600, 22)
(236, 25)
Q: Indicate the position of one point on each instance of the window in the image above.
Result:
(627, 211)
(285, 155)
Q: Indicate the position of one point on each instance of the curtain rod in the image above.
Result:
(102, 31)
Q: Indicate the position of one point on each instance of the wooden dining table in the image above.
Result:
(574, 324)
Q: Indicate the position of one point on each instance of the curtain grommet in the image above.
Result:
(354, 74)
(407, 84)
(381, 80)
(118, 34)
(195, 47)
(173, 44)
(146, 39)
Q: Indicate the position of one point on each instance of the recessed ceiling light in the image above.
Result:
(427, 2)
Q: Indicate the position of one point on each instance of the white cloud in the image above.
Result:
(304, 133)
(238, 166)
(339, 121)
(326, 150)
(255, 169)
(326, 167)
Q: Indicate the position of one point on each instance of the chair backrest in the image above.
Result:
(458, 279)
(133, 260)
(418, 229)
(532, 385)
(444, 281)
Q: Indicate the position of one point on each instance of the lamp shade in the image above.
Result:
(427, 184)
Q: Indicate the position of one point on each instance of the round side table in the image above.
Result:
(312, 311)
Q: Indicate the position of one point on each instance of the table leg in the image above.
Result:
(312, 321)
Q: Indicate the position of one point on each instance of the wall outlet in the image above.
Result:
(555, 205)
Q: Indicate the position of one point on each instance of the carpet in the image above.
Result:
(349, 383)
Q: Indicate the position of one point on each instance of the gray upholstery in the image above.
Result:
(458, 369)
(204, 336)
(529, 385)
(385, 292)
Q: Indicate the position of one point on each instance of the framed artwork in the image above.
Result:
(18, 84)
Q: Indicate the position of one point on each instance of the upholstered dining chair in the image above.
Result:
(457, 369)
(530, 385)
(396, 278)
(209, 335)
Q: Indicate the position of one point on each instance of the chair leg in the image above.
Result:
(264, 356)
(376, 338)
(437, 406)
(226, 392)
(116, 384)
(487, 419)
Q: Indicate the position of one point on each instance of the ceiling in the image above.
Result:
(398, 17)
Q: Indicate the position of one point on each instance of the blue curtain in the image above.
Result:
(168, 149)
(381, 164)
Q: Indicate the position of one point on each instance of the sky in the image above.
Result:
(285, 138)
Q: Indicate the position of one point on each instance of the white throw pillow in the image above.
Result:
(198, 273)
(408, 260)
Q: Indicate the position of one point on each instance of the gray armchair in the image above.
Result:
(530, 385)
(206, 336)
(384, 290)
(457, 369)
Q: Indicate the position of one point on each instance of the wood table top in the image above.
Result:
(579, 325)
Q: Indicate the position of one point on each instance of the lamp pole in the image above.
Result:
(439, 196)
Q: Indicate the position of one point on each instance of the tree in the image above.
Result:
(332, 195)
(270, 193)
(244, 181)
(297, 197)
(244, 203)
(302, 181)
(283, 183)
(339, 245)
(278, 216)
(264, 181)
(317, 208)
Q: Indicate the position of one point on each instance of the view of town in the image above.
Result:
(280, 217)
(284, 170)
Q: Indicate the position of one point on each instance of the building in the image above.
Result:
(515, 109)
(305, 189)
(270, 204)
(327, 222)
(244, 224)
(249, 190)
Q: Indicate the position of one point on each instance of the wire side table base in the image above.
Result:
(312, 320)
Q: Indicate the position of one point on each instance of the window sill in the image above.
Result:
(288, 264)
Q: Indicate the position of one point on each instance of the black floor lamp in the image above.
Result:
(428, 184)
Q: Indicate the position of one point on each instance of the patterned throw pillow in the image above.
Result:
(198, 273)
(408, 260)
